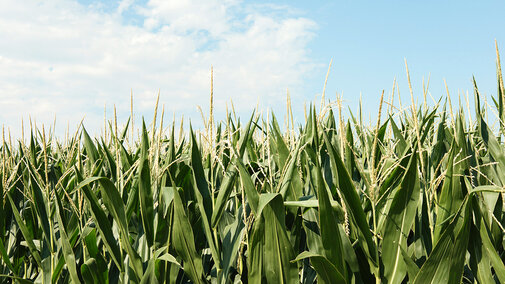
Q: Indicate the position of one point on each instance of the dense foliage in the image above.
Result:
(417, 197)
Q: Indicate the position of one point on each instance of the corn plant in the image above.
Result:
(417, 197)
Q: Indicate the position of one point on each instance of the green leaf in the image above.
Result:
(488, 252)
(90, 272)
(18, 279)
(25, 232)
(5, 257)
(314, 203)
(115, 205)
(279, 149)
(91, 244)
(40, 203)
(290, 179)
(332, 246)
(145, 189)
(278, 252)
(351, 198)
(90, 147)
(494, 148)
(184, 242)
(231, 242)
(150, 275)
(255, 249)
(412, 268)
(446, 261)
(399, 222)
(326, 271)
(68, 253)
(229, 176)
(104, 227)
(451, 197)
(252, 194)
(202, 186)
(401, 144)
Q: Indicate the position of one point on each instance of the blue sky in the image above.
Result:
(70, 59)
(441, 39)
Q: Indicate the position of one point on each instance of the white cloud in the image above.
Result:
(183, 16)
(65, 59)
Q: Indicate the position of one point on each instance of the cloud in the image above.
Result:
(66, 59)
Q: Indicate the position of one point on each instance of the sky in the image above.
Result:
(76, 59)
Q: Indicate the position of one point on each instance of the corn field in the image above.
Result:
(417, 197)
